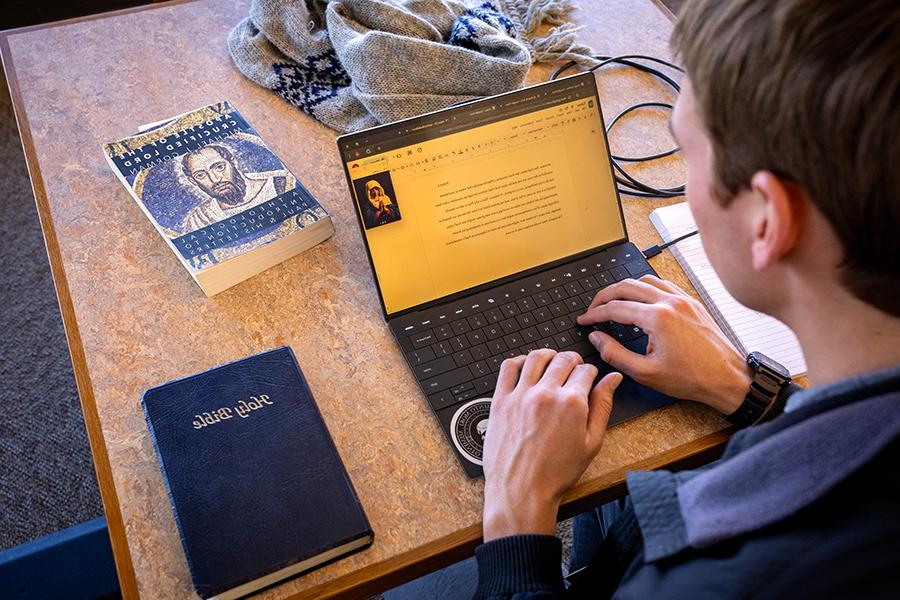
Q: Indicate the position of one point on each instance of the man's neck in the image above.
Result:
(842, 336)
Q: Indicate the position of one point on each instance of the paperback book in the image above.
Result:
(225, 204)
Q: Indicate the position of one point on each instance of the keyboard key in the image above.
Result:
(525, 320)
(589, 283)
(513, 340)
(458, 343)
(548, 343)
(424, 338)
(486, 384)
(494, 363)
(604, 278)
(497, 346)
(446, 380)
(542, 299)
(542, 314)
(462, 358)
(480, 368)
(546, 329)
(467, 395)
(587, 298)
(526, 304)
(435, 367)
(563, 323)
(477, 321)
(493, 331)
(510, 310)
(509, 326)
(620, 333)
(637, 268)
(458, 389)
(530, 334)
(475, 337)
(529, 347)
(494, 315)
(575, 303)
(632, 332)
(441, 399)
(606, 326)
(443, 332)
(563, 339)
(480, 352)
(460, 327)
(573, 288)
(418, 357)
(442, 348)
(619, 273)
(558, 294)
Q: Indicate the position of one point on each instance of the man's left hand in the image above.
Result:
(547, 423)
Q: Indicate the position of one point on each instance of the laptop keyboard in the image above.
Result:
(455, 350)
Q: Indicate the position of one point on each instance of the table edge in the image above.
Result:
(102, 467)
(459, 545)
(369, 580)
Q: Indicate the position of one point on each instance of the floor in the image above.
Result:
(47, 477)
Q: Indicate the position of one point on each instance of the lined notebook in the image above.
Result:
(747, 329)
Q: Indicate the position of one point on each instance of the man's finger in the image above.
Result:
(621, 311)
(535, 364)
(666, 286)
(627, 289)
(619, 357)
(509, 375)
(581, 378)
(600, 403)
(561, 367)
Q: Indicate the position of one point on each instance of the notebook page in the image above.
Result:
(748, 329)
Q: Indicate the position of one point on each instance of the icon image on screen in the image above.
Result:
(377, 200)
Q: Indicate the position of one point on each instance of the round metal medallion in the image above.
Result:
(468, 428)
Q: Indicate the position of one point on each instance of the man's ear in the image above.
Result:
(777, 222)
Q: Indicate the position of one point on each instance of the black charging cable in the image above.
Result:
(627, 183)
(656, 249)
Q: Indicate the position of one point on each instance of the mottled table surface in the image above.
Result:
(134, 318)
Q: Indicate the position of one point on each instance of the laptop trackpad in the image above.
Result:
(631, 398)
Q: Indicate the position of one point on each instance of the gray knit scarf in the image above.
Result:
(353, 64)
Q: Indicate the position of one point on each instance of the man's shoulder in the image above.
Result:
(847, 540)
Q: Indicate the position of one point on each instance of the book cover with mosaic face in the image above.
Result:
(211, 185)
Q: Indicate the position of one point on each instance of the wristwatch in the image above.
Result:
(770, 380)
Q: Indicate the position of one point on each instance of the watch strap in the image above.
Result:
(767, 395)
(752, 409)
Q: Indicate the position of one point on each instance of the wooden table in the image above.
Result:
(135, 319)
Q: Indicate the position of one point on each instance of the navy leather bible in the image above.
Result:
(257, 486)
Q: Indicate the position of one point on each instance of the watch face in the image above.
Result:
(761, 360)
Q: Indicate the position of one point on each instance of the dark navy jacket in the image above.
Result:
(806, 505)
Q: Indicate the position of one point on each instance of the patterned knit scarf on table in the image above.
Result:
(353, 64)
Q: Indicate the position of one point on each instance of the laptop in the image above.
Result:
(489, 226)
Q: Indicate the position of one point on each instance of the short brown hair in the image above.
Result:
(810, 90)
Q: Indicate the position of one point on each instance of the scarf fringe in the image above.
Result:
(559, 43)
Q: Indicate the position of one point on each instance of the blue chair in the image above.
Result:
(73, 563)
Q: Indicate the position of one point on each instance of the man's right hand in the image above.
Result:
(687, 356)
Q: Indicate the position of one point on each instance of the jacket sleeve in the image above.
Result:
(520, 567)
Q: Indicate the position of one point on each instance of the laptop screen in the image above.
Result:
(473, 194)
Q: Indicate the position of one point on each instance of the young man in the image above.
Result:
(790, 125)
